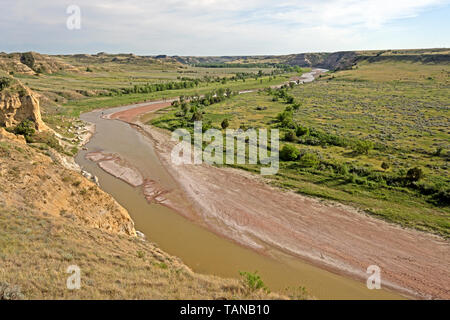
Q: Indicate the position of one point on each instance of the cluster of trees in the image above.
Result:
(282, 93)
(294, 132)
(148, 88)
(195, 103)
(279, 66)
(236, 65)
(411, 178)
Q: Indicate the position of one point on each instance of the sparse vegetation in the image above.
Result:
(253, 282)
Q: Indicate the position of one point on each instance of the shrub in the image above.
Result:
(25, 128)
(438, 152)
(289, 153)
(296, 106)
(290, 99)
(28, 59)
(414, 174)
(290, 136)
(253, 282)
(4, 83)
(309, 160)
(442, 197)
(385, 165)
(197, 116)
(301, 131)
(288, 123)
(225, 124)
(362, 147)
(284, 115)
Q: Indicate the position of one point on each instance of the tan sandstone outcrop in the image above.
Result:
(20, 103)
(31, 180)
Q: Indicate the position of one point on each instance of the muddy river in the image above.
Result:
(200, 249)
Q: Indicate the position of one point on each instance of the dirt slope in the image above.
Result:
(51, 218)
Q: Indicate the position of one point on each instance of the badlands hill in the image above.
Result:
(51, 217)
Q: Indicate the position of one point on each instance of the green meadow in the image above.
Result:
(376, 137)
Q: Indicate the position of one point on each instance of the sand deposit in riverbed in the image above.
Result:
(243, 207)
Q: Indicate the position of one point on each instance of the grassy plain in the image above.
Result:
(401, 108)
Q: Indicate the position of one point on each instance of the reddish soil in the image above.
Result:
(131, 114)
(243, 207)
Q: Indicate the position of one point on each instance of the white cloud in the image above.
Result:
(206, 26)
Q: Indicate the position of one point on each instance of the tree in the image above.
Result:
(225, 123)
(289, 153)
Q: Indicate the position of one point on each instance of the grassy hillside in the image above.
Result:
(36, 249)
(52, 218)
(357, 134)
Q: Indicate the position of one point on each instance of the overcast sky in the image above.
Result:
(223, 27)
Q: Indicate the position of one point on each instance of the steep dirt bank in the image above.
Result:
(333, 236)
(52, 217)
(28, 178)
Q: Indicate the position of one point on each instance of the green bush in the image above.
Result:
(28, 59)
(414, 174)
(289, 153)
(253, 282)
(225, 124)
(197, 116)
(290, 99)
(25, 128)
(296, 106)
(4, 82)
(301, 131)
(290, 136)
(284, 115)
(309, 160)
(288, 123)
(362, 147)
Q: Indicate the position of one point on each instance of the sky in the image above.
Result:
(221, 27)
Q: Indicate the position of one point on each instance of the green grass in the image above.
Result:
(74, 108)
(402, 108)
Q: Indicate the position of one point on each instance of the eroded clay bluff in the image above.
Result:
(31, 179)
(18, 103)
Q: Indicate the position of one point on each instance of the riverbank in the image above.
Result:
(331, 236)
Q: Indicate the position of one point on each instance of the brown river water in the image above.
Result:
(202, 250)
